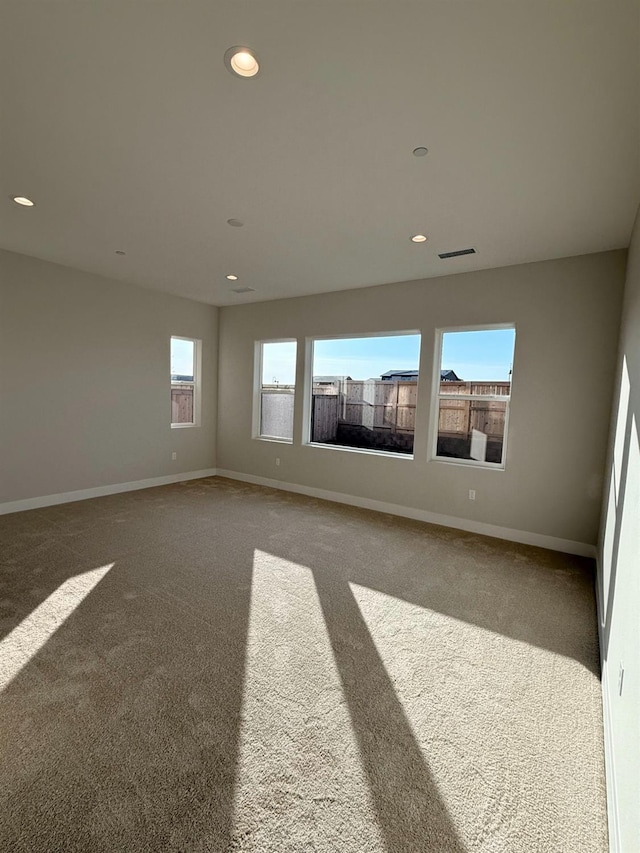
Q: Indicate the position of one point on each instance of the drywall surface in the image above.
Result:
(567, 315)
(619, 576)
(85, 381)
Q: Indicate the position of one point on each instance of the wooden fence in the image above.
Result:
(276, 411)
(493, 389)
(181, 404)
(373, 404)
(380, 405)
(458, 418)
(325, 417)
(391, 406)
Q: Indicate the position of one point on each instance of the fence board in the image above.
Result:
(276, 413)
(489, 388)
(181, 404)
(379, 405)
(325, 417)
(460, 417)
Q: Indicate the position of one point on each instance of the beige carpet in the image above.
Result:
(213, 666)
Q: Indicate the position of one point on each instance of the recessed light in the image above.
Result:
(232, 277)
(420, 152)
(418, 238)
(24, 201)
(235, 223)
(241, 61)
(243, 289)
(120, 252)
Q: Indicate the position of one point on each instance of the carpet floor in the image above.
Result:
(214, 666)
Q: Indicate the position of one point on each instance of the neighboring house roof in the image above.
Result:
(180, 377)
(449, 376)
(329, 379)
(400, 374)
(445, 375)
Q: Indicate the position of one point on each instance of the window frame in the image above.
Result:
(436, 396)
(257, 390)
(308, 392)
(195, 384)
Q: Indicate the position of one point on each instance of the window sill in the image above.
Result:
(184, 426)
(361, 451)
(468, 463)
(273, 438)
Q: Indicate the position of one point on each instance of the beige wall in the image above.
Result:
(84, 385)
(567, 315)
(619, 574)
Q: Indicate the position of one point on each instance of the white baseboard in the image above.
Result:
(100, 491)
(553, 543)
(609, 760)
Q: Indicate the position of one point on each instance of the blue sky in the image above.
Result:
(366, 358)
(472, 355)
(479, 355)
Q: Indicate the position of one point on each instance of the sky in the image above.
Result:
(366, 358)
(279, 363)
(479, 355)
(181, 357)
(482, 355)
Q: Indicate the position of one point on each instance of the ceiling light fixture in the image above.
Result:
(241, 61)
(420, 152)
(23, 200)
(232, 277)
(235, 223)
(418, 238)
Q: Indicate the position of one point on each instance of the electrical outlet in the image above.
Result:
(277, 460)
(472, 494)
(620, 678)
(174, 456)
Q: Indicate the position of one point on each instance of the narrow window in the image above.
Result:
(185, 381)
(275, 390)
(364, 392)
(472, 395)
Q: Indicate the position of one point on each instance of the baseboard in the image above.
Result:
(524, 537)
(553, 543)
(609, 760)
(101, 491)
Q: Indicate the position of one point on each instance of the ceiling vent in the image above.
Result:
(459, 253)
(243, 289)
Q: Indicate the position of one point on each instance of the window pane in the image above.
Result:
(181, 403)
(182, 381)
(477, 362)
(276, 414)
(470, 429)
(277, 389)
(279, 364)
(182, 360)
(365, 392)
(474, 363)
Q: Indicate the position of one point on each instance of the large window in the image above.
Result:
(185, 382)
(472, 391)
(275, 390)
(364, 392)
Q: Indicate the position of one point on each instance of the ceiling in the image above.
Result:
(122, 123)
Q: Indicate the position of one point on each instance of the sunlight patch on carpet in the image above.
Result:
(27, 638)
(480, 703)
(299, 772)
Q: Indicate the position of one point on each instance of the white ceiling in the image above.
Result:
(121, 121)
